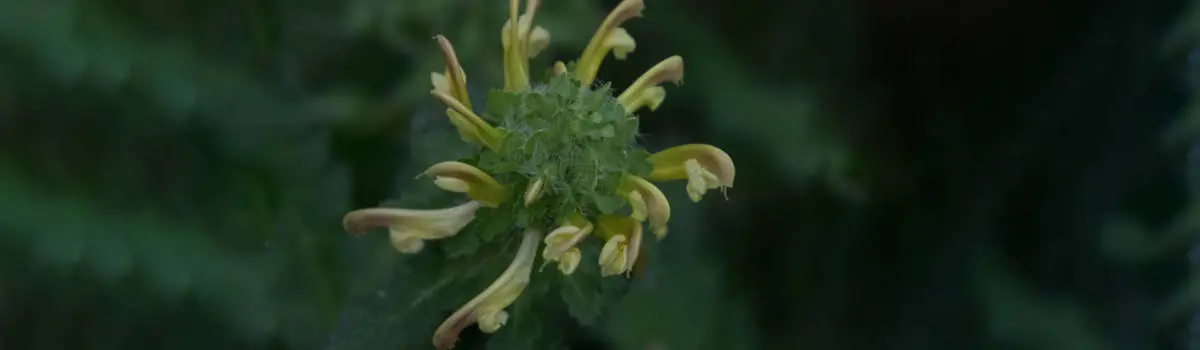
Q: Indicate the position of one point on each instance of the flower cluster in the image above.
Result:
(561, 155)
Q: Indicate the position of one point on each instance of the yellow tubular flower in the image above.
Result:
(487, 308)
(624, 242)
(473, 128)
(658, 210)
(463, 178)
(645, 92)
(561, 243)
(609, 37)
(704, 166)
(521, 43)
(409, 229)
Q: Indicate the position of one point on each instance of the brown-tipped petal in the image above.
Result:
(488, 307)
(405, 225)
(455, 75)
(643, 90)
(462, 177)
(593, 55)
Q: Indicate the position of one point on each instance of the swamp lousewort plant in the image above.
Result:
(559, 156)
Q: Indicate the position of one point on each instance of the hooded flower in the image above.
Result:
(566, 150)
(487, 308)
(409, 229)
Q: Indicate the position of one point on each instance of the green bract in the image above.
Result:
(578, 141)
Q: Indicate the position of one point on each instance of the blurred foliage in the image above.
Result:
(915, 175)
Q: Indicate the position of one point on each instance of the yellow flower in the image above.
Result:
(560, 243)
(464, 178)
(487, 308)
(574, 177)
(409, 229)
(624, 242)
(705, 167)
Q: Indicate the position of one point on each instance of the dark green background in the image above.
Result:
(922, 174)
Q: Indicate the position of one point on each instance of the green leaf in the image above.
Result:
(608, 204)
(462, 244)
(500, 103)
(582, 291)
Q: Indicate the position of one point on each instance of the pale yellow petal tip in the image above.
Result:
(487, 308)
(407, 244)
(559, 68)
(645, 92)
(613, 256)
(440, 82)
(534, 191)
(621, 43)
(658, 209)
(538, 40)
(564, 239)
(464, 178)
(569, 261)
(637, 205)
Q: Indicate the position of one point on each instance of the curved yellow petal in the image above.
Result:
(456, 78)
(409, 228)
(645, 92)
(465, 178)
(608, 37)
(614, 256)
(704, 166)
(487, 308)
(658, 210)
(564, 239)
(473, 128)
(569, 261)
(629, 244)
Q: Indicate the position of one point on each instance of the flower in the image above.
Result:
(561, 243)
(568, 148)
(409, 229)
(487, 308)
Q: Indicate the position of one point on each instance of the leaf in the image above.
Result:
(581, 291)
(608, 204)
(500, 103)
(462, 244)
